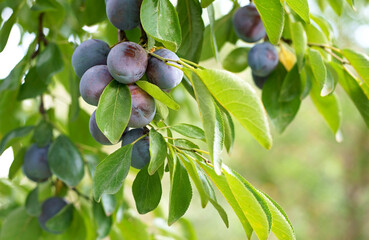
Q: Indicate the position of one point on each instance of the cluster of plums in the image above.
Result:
(36, 168)
(126, 62)
(262, 57)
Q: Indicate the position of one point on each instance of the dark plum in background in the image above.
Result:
(88, 54)
(248, 25)
(143, 108)
(164, 76)
(259, 81)
(49, 209)
(140, 152)
(263, 59)
(35, 165)
(127, 62)
(93, 83)
(95, 131)
(123, 14)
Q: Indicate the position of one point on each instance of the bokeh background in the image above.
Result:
(322, 185)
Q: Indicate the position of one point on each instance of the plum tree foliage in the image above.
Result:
(126, 70)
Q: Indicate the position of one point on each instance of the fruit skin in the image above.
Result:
(143, 107)
(259, 81)
(123, 14)
(140, 152)
(97, 134)
(50, 207)
(164, 76)
(35, 165)
(88, 54)
(248, 25)
(263, 59)
(93, 83)
(127, 62)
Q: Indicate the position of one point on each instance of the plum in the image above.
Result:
(259, 81)
(88, 54)
(248, 25)
(127, 62)
(93, 83)
(164, 76)
(35, 165)
(140, 152)
(123, 14)
(263, 59)
(50, 207)
(143, 107)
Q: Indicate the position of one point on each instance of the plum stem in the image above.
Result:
(138, 139)
(41, 38)
(325, 46)
(180, 151)
(168, 61)
(121, 36)
(191, 63)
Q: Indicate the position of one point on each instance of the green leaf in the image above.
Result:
(111, 172)
(236, 60)
(211, 120)
(318, 67)
(315, 35)
(109, 203)
(18, 225)
(13, 135)
(189, 14)
(281, 113)
(114, 111)
(103, 222)
(354, 91)
(44, 6)
(32, 205)
(238, 98)
(251, 202)
(229, 132)
(158, 94)
(337, 6)
(324, 25)
(206, 3)
(43, 133)
(160, 20)
(301, 7)
(291, 86)
(299, 40)
(62, 220)
(158, 151)
(213, 40)
(360, 62)
(180, 193)
(222, 184)
(74, 94)
(281, 226)
(146, 191)
(13, 80)
(5, 30)
(189, 130)
(65, 161)
(351, 3)
(17, 163)
(328, 106)
(272, 15)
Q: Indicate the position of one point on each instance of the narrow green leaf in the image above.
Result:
(237, 97)
(206, 3)
(5, 30)
(13, 135)
(299, 40)
(189, 130)
(189, 14)
(146, 191)
(236, 60)
(318, 67)
(13, 80)
(360, 62)
(65, 161)
(212, 123)
(180, 193)
(160, 20)
(32, 205)
(17, 163)
(103, 223)
(114, 111)
(109, 203)
(158, 151)
(18, 225)
(213, 40)
(281, 113)
(324, 25)
(337, 6)
(222, 184)
(111, 172)
(301, 7)
(158, 94)
(351, 3)
(272, 15)
(229, 131)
